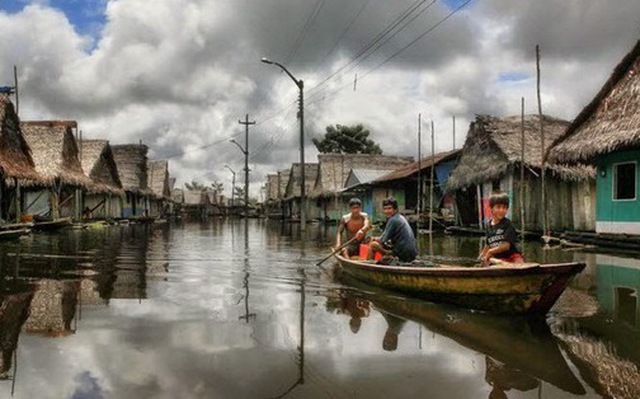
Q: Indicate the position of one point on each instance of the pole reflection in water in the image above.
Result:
(247, 315)
(300, 348)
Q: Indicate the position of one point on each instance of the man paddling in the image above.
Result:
(397, 238)
(355, 224)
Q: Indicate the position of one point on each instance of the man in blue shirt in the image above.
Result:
(397, 238)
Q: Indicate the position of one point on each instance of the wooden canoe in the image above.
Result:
(50, 225)
(529, 288)
(13, 234)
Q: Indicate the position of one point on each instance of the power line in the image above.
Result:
(305, 29)
(431, 29)
(388, 29)
(344, 32)
(179, 154)
(385, 41)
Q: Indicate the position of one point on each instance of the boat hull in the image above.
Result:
(497, 289)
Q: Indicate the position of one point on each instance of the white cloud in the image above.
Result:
(180, 74)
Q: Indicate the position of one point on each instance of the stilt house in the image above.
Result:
(492, 158)
(56, 157)
(105, 202)
(607, 134)
(159, 184)
(16, 163)
(292, 193)
(131, 160)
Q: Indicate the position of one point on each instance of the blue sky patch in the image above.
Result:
(453, 4)
(512, 76)
(87, 16)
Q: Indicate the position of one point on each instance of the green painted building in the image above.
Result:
(607, 134)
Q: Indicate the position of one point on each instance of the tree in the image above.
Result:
(217, 186)
(194, 185)
(239, 195)
(347, 140)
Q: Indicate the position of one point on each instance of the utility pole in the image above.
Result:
(300, 85)
(545, 221)
(419, 168)
(246, 124)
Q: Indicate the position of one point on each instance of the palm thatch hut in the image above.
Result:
(606, 133)
(131, 160)
(158, 171)
(55, 153)
(333, 170)
(196, 203)
(98, 163)
(16, 163)
(492, 158)
(276, 187)
(292, 193)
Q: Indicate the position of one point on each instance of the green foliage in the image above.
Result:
(217, 186)
(196, 186)
(347, 140)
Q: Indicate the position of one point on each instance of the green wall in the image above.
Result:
(606, 208)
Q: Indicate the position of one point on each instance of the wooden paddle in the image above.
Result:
(338, 249)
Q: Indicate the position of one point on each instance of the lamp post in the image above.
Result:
(233, 184)
(300, 85)
(246, 177)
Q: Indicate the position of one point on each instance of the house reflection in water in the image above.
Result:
(604, 347)
(53, 308)
(14, 309)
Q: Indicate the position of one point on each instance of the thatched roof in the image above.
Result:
(423, 165)
(272, 187)
(177, 195)
(97, 162)
(158, 172)
(55, 152)
(15, 154)
(610, 122)
(334, 169)
(195, 197)
(295, 176)
(493, 147)
(131, 160)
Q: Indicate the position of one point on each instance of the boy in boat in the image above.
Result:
(501, 235)
(355, 224)
(397, 238)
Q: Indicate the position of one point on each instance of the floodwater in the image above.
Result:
(224, 309)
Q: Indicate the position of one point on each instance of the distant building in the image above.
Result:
(333, 170)
(292, 193)
(131, 160)
(158, 173)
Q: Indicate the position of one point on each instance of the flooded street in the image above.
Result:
(224, 309)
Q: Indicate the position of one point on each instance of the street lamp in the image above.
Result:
(233, 184)
(246, 177)
(300, 85)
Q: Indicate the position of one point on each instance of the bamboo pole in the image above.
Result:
(545, 220)
(431, 183)
(522, 215)
(419, 168)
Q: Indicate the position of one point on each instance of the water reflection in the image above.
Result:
(524, 348)
(604, 345)
(239, 310)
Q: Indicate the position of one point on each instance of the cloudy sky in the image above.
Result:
(180, 74)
